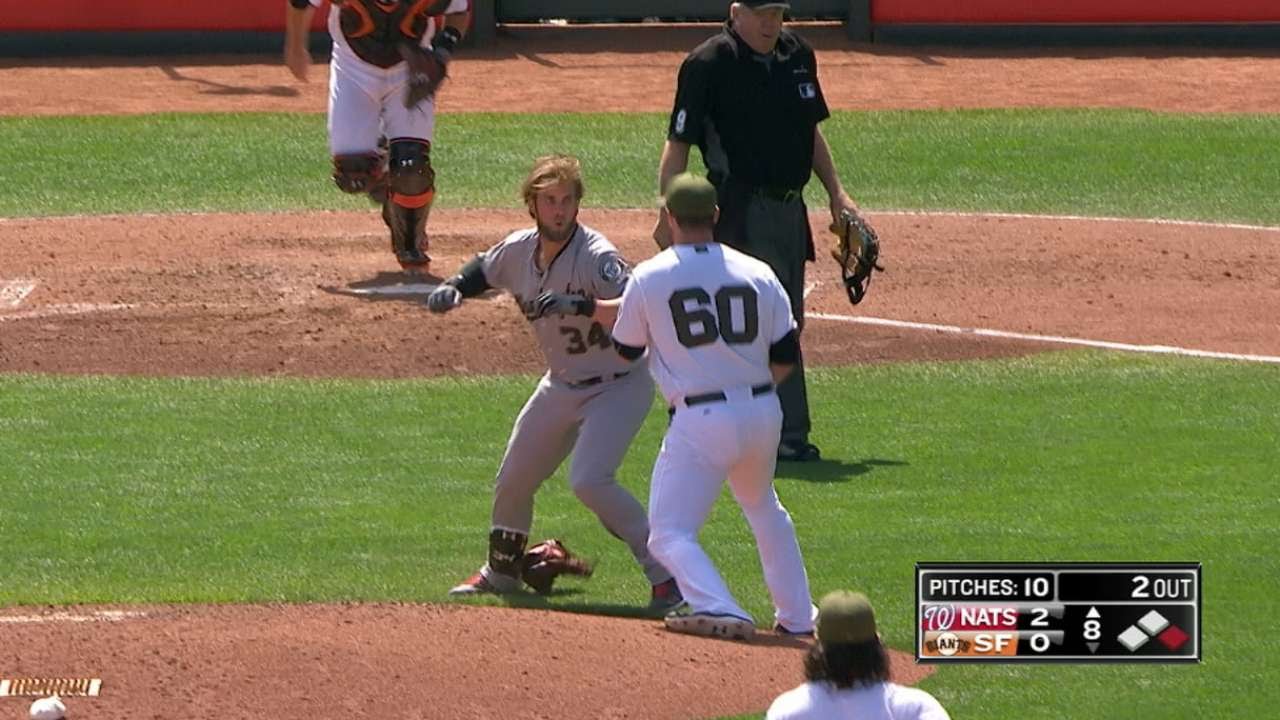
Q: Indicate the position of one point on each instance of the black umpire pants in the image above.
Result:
(774, 227)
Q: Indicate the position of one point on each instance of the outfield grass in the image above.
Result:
(163, 490)
(1111, 162)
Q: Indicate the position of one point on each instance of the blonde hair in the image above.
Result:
(550, 170)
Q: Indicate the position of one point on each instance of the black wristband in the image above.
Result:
(470, 280)
(446, 40)
(300, 4)
(587, 306)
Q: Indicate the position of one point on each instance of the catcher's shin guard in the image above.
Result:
(411, 182)
(408, 234)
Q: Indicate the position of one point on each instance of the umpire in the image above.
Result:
(749, 98)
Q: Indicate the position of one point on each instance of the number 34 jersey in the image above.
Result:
(577, 349)
(708, 315)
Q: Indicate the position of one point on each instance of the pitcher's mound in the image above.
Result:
(385, 661)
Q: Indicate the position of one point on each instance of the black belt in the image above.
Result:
(588, 382)
(781, 194)
(719, 396)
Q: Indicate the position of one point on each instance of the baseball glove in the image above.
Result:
(427, 70)
(858, 253)
(548, 560)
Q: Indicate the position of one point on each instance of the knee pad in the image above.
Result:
(411, 178)
(358, 173)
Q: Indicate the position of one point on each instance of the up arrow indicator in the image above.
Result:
(1093, 613)
(1093, 647)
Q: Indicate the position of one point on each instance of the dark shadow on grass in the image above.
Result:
(557, 602)
(832, 471)
(561, 599)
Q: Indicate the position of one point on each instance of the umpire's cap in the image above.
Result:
(691, 198)
(845, 618)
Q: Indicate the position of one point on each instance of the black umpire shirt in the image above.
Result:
(751, 115)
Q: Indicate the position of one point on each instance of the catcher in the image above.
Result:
(389, 59)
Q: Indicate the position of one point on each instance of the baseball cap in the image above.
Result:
(757, 4)
(845, 618)
(691, 197)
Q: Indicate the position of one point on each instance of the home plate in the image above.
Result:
(406, 289)
(13, 292)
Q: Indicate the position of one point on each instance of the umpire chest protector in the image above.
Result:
(755, 113)
(374, 28)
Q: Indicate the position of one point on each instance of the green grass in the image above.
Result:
(161, 490)
(1098, 162)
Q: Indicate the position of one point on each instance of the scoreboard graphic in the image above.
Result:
(1057, 612)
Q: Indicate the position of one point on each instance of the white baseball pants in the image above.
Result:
(367, 102)
(735, 439)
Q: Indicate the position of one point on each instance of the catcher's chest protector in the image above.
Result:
(374, 28)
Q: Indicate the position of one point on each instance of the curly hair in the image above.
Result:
(848, 665)
(550, 170)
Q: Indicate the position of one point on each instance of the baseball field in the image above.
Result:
(241, 466)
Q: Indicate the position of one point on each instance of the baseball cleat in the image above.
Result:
(781, 629)
(475, 585)
(729, 627)
(666, 597)
(418, 268)
(798, 451)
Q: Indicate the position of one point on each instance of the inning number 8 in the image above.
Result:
(708, 329)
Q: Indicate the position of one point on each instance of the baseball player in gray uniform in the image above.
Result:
(591, 402)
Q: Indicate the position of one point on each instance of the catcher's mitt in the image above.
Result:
(858, 253)
(548, 560)
(427, 70)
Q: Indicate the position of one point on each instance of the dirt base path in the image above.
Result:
(634, 68)
(315, 294)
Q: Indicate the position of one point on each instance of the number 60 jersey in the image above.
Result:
(578, 350)
(708, 315)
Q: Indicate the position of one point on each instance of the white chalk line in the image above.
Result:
(65, 310)
(63, 617)
(1076, 218)
(13, 292)
(1105, 344)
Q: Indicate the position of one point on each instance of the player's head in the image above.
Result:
(552, 192)
(758, 22)
(691, 206)
(848, 652)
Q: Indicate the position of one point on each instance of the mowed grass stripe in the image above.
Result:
(158, 490)
(1094, 162)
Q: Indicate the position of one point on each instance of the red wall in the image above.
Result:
(1074, 11)
(18, 15)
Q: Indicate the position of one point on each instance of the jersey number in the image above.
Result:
(700, 326)
(596, 337)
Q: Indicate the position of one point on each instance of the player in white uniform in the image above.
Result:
(367, 104)
(847, 672)
(720, 334)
